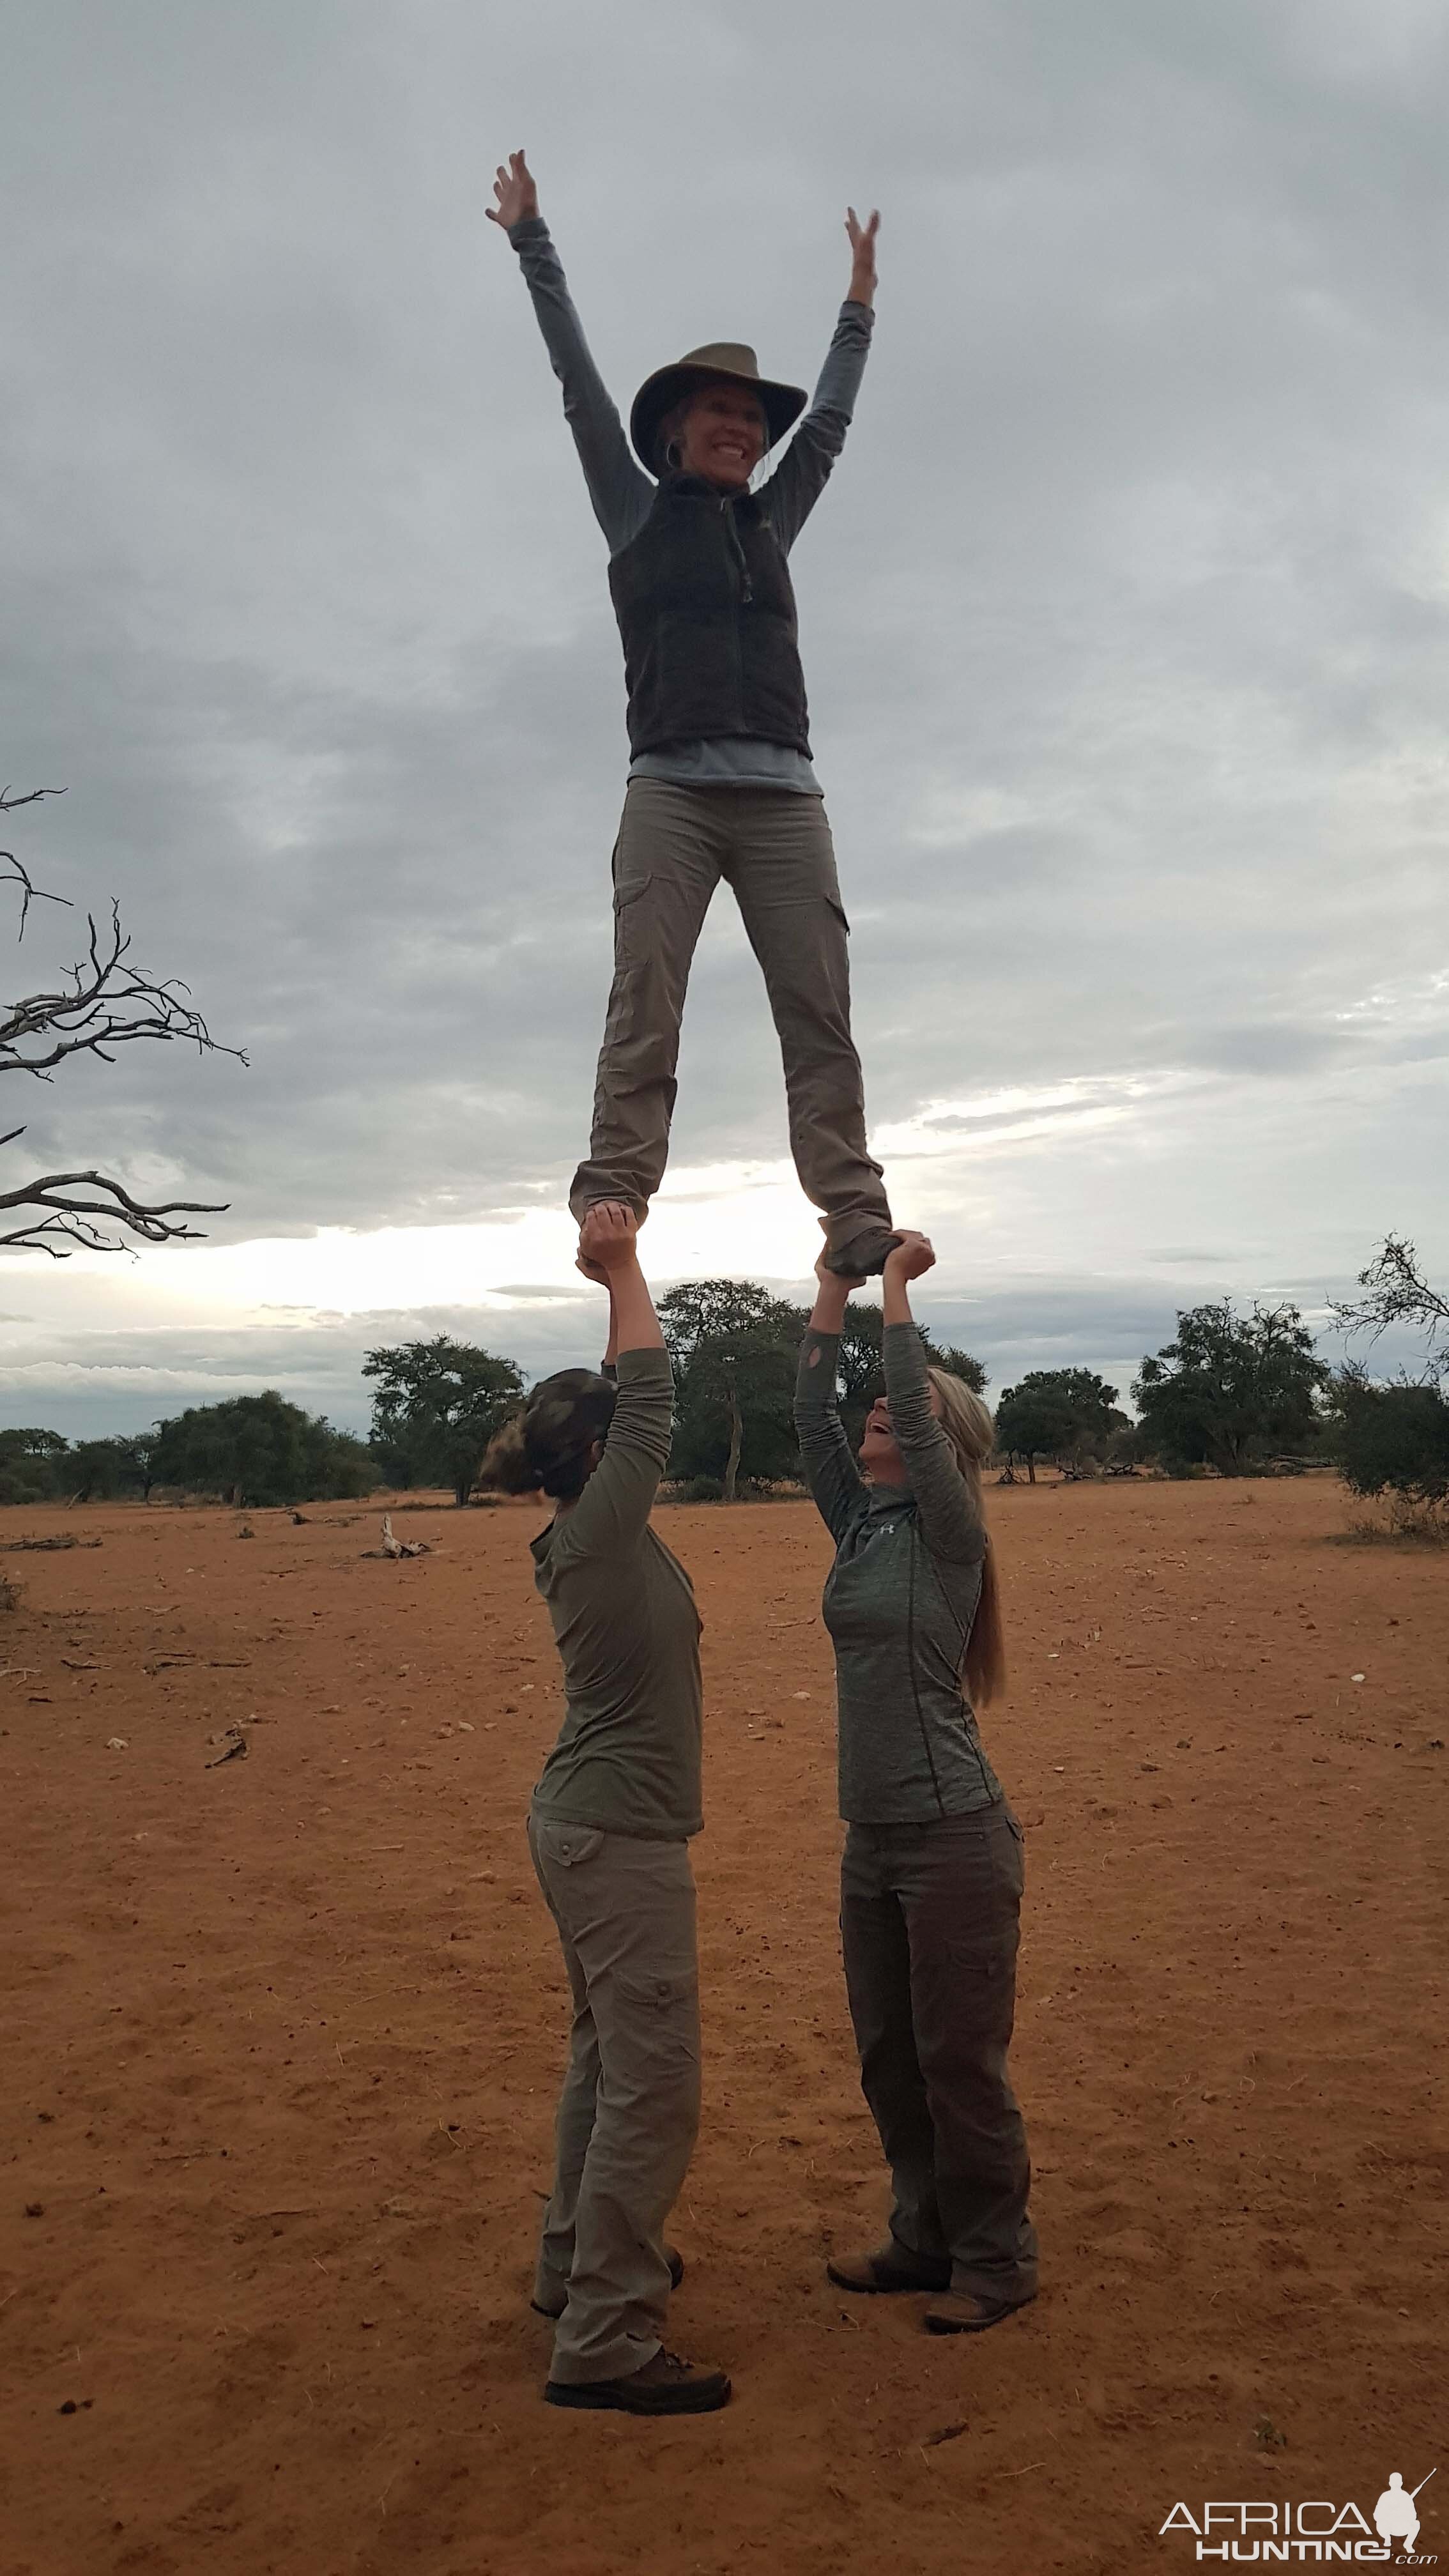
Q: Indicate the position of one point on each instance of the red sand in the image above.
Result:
(284, 2037)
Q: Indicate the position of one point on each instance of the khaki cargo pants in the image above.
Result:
(774, 850)
(628, 2115)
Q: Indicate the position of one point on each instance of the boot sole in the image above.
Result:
(901, 2286)
(870, 1268)
(602, 2396)
(940, 2325)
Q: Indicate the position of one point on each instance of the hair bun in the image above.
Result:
(506, 1463)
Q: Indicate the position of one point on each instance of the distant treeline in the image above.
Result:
(254, 1449)
(1231, 1394)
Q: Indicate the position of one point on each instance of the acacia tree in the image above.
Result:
(1230, 1386)
(733, 1347)
(262, 1450)
(734, 1350)
(436, 1408)
(1396, 1292)
(1056, 1413)
(860, 1370)
(1394, 1439)
(1034, 1421)
(104, 1001)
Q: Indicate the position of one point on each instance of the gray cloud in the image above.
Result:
(1124, 618)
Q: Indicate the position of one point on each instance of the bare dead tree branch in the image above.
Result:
(9, 804)
(108, 1004)
(71, 1220)
(105, 1003)
(1396, 1293)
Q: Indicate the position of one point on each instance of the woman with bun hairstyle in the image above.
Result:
(931, 1876)
(618, 1799)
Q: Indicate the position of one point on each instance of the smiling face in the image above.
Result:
(880, 1459)
(721, 435)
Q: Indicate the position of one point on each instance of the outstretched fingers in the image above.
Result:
(515, 190)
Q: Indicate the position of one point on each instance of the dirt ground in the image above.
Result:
(282, 2040)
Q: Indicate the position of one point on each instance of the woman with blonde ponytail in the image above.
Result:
(931, 1876)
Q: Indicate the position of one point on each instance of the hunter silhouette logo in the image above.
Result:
(1396, 2514)
(1265, 2533)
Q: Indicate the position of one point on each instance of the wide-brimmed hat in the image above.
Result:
(730, 359)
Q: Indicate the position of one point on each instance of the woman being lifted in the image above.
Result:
(720, 779)
(931, 1878)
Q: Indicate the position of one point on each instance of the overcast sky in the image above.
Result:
(1124, 620)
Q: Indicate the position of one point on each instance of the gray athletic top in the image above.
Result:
(899, 1599)
(622, 492)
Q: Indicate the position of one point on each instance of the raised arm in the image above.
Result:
(835, 1480)
(949, 1522)
(618, 488)
(602, 1279)
(611, 1512)
(804, 469)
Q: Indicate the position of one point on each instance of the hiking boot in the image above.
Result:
(674, 2259)
(890, 2267)
(864, 1255)
(961, 2312)
(665, 2386)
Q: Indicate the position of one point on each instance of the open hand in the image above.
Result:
(862, 254)
(516, 191)
(607, 1236)
(912, 1257)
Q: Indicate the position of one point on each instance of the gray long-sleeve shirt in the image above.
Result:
(622, 493)
(899, 1599)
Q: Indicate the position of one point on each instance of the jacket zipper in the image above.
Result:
(732, 539)
(747, 587)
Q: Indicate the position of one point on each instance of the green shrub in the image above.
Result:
(1393, 1439)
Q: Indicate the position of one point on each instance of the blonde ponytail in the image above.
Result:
(968, 1426)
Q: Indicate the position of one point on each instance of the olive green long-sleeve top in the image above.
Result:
(899, 1599)
(627, 1760)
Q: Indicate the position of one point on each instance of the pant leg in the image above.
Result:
(573, 2126)
(666, 867)
(781, 865)
(960, 1885)
(878, 1986)
(628, 1909)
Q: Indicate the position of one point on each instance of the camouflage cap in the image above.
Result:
(566, 1413)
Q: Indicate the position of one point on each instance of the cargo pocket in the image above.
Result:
(660, 2019)
(984, 1959)
(568, 1846)
(838, 908)
(632, 914)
